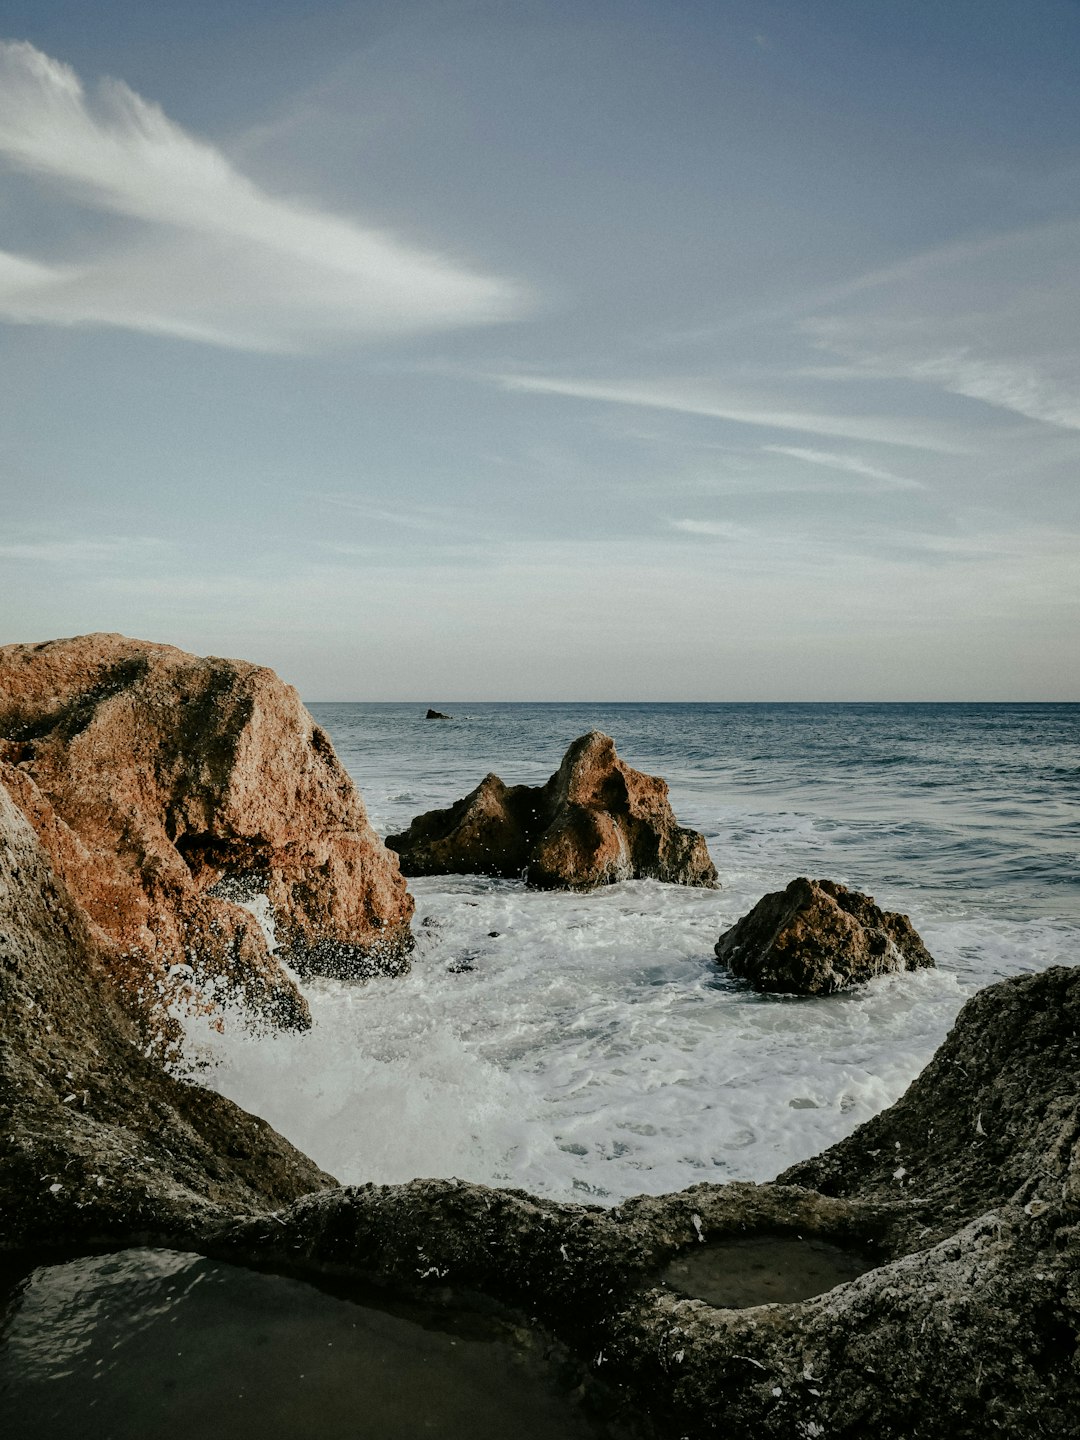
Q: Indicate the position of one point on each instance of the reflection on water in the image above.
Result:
(154, 1343)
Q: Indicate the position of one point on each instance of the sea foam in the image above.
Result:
(589, 1046)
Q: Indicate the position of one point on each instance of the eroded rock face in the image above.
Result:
(165, 787)
(816, 937)
(595, 822)
(96, 1140)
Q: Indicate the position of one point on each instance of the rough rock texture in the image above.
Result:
(96, 1140)
(437, 715)
(967, 1190)
(816, 937)
(166, 788)
(595, 822)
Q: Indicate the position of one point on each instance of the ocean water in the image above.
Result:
(588, 1046)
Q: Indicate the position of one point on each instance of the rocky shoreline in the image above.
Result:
(964, 1195)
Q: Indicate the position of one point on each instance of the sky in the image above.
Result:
(499, 349)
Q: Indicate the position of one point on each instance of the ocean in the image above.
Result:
(588, 1047)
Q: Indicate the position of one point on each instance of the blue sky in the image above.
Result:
(520, 350)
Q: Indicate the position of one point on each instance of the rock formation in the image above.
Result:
(966, 1194)
(96, 1140)
(167, 788)
(437, 715)
(595, 822)
(816, 937)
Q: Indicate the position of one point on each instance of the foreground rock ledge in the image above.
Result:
(595, 822)
(169, 790)
(968, 1191)
(817, 937)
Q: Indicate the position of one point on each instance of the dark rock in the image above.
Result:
(596, 821)
(437, 715)
(816, 937)
(967, 1193)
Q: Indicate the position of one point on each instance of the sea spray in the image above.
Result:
(588, 1046)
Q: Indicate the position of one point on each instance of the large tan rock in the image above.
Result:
(816, 937)
(167, 789)
(595, 822)
(96, 1140)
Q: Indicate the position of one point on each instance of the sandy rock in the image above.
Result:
(816, 937)
(96, 1140)
(166, 788)
(595, 822)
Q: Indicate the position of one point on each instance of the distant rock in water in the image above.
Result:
(169, 791)
(816, 937)
(437, 715)
(595, 822)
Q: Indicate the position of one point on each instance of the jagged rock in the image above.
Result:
(96, 1140)
(437, 715)
(816, 937)
(166, 788)
(595, 822)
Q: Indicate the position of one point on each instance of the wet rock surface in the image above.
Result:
(595, 822)
(766, 1269)
(817, 937)
(156, 779)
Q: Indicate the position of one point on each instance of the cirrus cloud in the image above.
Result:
(211, 255)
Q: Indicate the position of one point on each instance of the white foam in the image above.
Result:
(592, 1049)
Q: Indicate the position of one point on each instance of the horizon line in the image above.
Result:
(475, 701)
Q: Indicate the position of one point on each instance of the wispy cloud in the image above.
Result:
(717, 529)
(225, 261)
(83, 551)
(712, 400)
(849, 464)
(994, 320)
(1026, 387)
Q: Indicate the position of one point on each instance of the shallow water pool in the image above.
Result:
(155, 1343)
